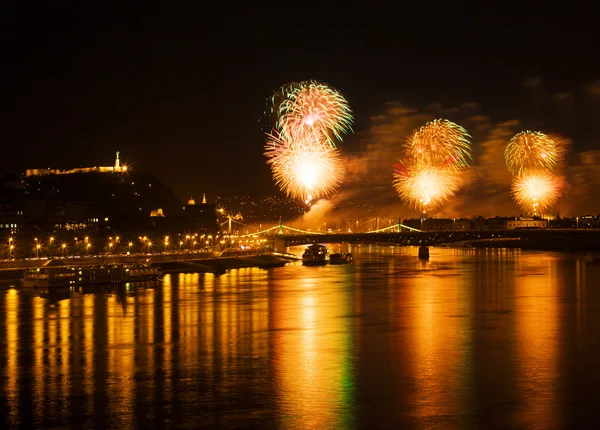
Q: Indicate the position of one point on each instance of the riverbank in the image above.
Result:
(180, 263)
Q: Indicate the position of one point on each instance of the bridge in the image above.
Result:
(553, 238)
(402, 235)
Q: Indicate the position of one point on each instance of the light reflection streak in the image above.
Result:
(63, 364)
(87, 310)
(168, 346)
(440, 329)
(121, 365)
(580, 292)
(537, 330)
(39, 377)
(12, 346)
(313, 369)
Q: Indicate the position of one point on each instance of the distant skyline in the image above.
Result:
(182, 95)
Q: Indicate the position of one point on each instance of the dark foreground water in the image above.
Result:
(472, 339)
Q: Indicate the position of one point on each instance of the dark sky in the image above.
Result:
(180, 93)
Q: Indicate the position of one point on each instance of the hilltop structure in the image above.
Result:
(101, 169)
(94, 200)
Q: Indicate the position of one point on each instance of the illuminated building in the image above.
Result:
(102, 169)
(94, 200)
(526, 223)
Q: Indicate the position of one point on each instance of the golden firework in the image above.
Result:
(533, 150)
(536, 191)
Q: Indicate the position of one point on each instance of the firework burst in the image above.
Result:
(440, 143)
(424, 187)
(304, 167)
(433, 158)
(536, 191)
(532, 150)
(302, 154)
(314, 105)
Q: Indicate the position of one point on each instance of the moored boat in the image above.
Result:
(315, 255)
(56, 274)
(340, 258)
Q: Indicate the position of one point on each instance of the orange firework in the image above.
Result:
(433, 158)
(302, 152)
(304, 165)
(536, 191)
(423, 187)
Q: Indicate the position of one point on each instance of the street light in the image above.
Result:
(37, 250)
(63, 248)
(130, 244)
(11, 247)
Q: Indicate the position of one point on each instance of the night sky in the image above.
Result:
(181, 93)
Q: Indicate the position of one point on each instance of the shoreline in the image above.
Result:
(207, 263)
(11, 271)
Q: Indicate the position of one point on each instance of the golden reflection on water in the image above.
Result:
(472, 336)
(537, 330)
(580, 293)
(86, 310)
(311, 334)
(39, 379)
(12, 347)
(435, 311)
(121, 348)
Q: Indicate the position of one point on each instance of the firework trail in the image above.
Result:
(532, 150)
(432, 160)
(301, 151)
(536, 191)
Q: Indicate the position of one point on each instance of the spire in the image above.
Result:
(203, 198)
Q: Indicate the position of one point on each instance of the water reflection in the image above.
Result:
(469, 339)
(439, 341)
(311, 335)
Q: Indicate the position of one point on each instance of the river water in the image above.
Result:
(481, 338)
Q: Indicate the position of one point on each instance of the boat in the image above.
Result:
(57, 274)
(340, 258)
(315, 255)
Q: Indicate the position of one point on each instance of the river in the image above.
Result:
(485, 338)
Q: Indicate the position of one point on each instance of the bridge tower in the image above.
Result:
(399, 225)
(280, 226)
(377, 223)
